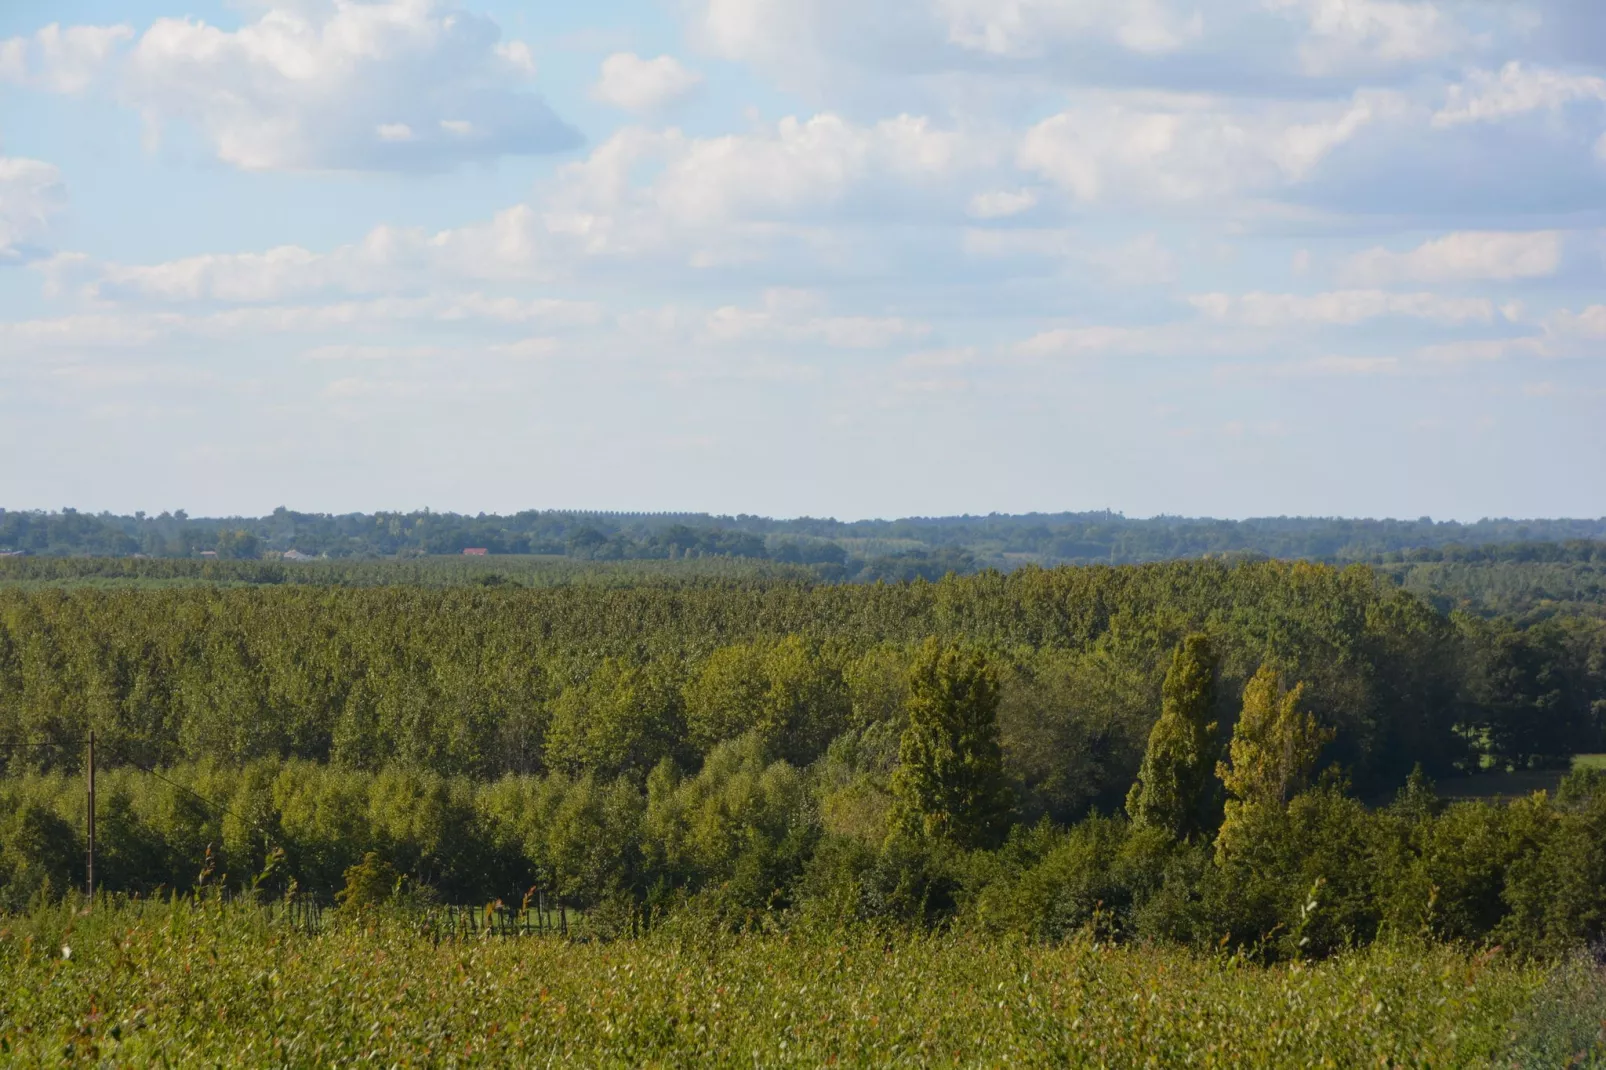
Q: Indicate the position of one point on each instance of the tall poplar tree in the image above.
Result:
(950, 781)
(1274, 745)
(1175, 789)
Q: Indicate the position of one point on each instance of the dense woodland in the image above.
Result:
(1192, 750)
(865, 550)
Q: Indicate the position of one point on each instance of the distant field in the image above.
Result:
(215, 985)
(1515, 785)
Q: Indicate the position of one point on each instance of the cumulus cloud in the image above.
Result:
(1345, 35)
(1340, 308)
(1077, 341)
(1249, 47)
(707, 201)
(1466, 255)
(335, 85)
(1488, 96)
(58, 60)
(799, 316)
(31, 193)
(644, 196)
(1028, 27)
(1590, 324)
(997, 204)
(644, 85)
(1133, 146)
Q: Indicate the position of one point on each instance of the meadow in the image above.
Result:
(197, 981)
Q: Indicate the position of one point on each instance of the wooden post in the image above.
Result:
(89, 881)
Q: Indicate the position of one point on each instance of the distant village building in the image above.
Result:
(475, 551)
(208, 553)
(297, 555)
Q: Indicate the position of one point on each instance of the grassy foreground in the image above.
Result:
(187, 985)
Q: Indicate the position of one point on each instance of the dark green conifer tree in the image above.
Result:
(1176, 786)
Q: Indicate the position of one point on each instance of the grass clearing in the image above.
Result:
(186, 984)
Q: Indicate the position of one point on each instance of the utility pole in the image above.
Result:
(90, 869)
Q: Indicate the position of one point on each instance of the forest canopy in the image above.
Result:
(1193, 750)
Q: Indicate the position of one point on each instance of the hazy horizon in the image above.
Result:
(790, 517)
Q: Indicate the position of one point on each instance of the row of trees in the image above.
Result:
(913, 820)
(997, 539)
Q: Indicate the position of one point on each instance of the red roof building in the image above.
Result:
(474, 551)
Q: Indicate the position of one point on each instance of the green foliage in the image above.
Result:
(621, 718)
(1174, 791)
(464, 680)
(758, 752)
(370, 884)
(784, 691)
(950, 781)
(1274, 745)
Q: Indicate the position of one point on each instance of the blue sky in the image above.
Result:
(867, 258)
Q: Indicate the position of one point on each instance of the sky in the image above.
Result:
(853, 258)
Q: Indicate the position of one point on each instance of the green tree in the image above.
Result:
(1175, 790)
(950, 780)
(238, 544)
(369, 884)
(784, 690)
(621, 718)
(1274, 745)
(1273, 753)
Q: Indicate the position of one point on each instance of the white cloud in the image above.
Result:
(1347, 34)
(1143, 261)
(1590, 324)
(798, 316)
(644, 85)
(1177, 148)
(1076, 341)
(1324, 367)
(60, 60)
(1055, 243)
(1465, 255)
(527, 348)
(30, 194)
(336, 85)
(1340, 308)
(654, 198)
(1481, 350)
(1487, 96)
(1022, 28)
(348, 352)
(709, 201)
(514, 244)
(998, 204)
(121, 329)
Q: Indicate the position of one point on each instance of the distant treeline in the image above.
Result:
(1524, 581)
(863, 550)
